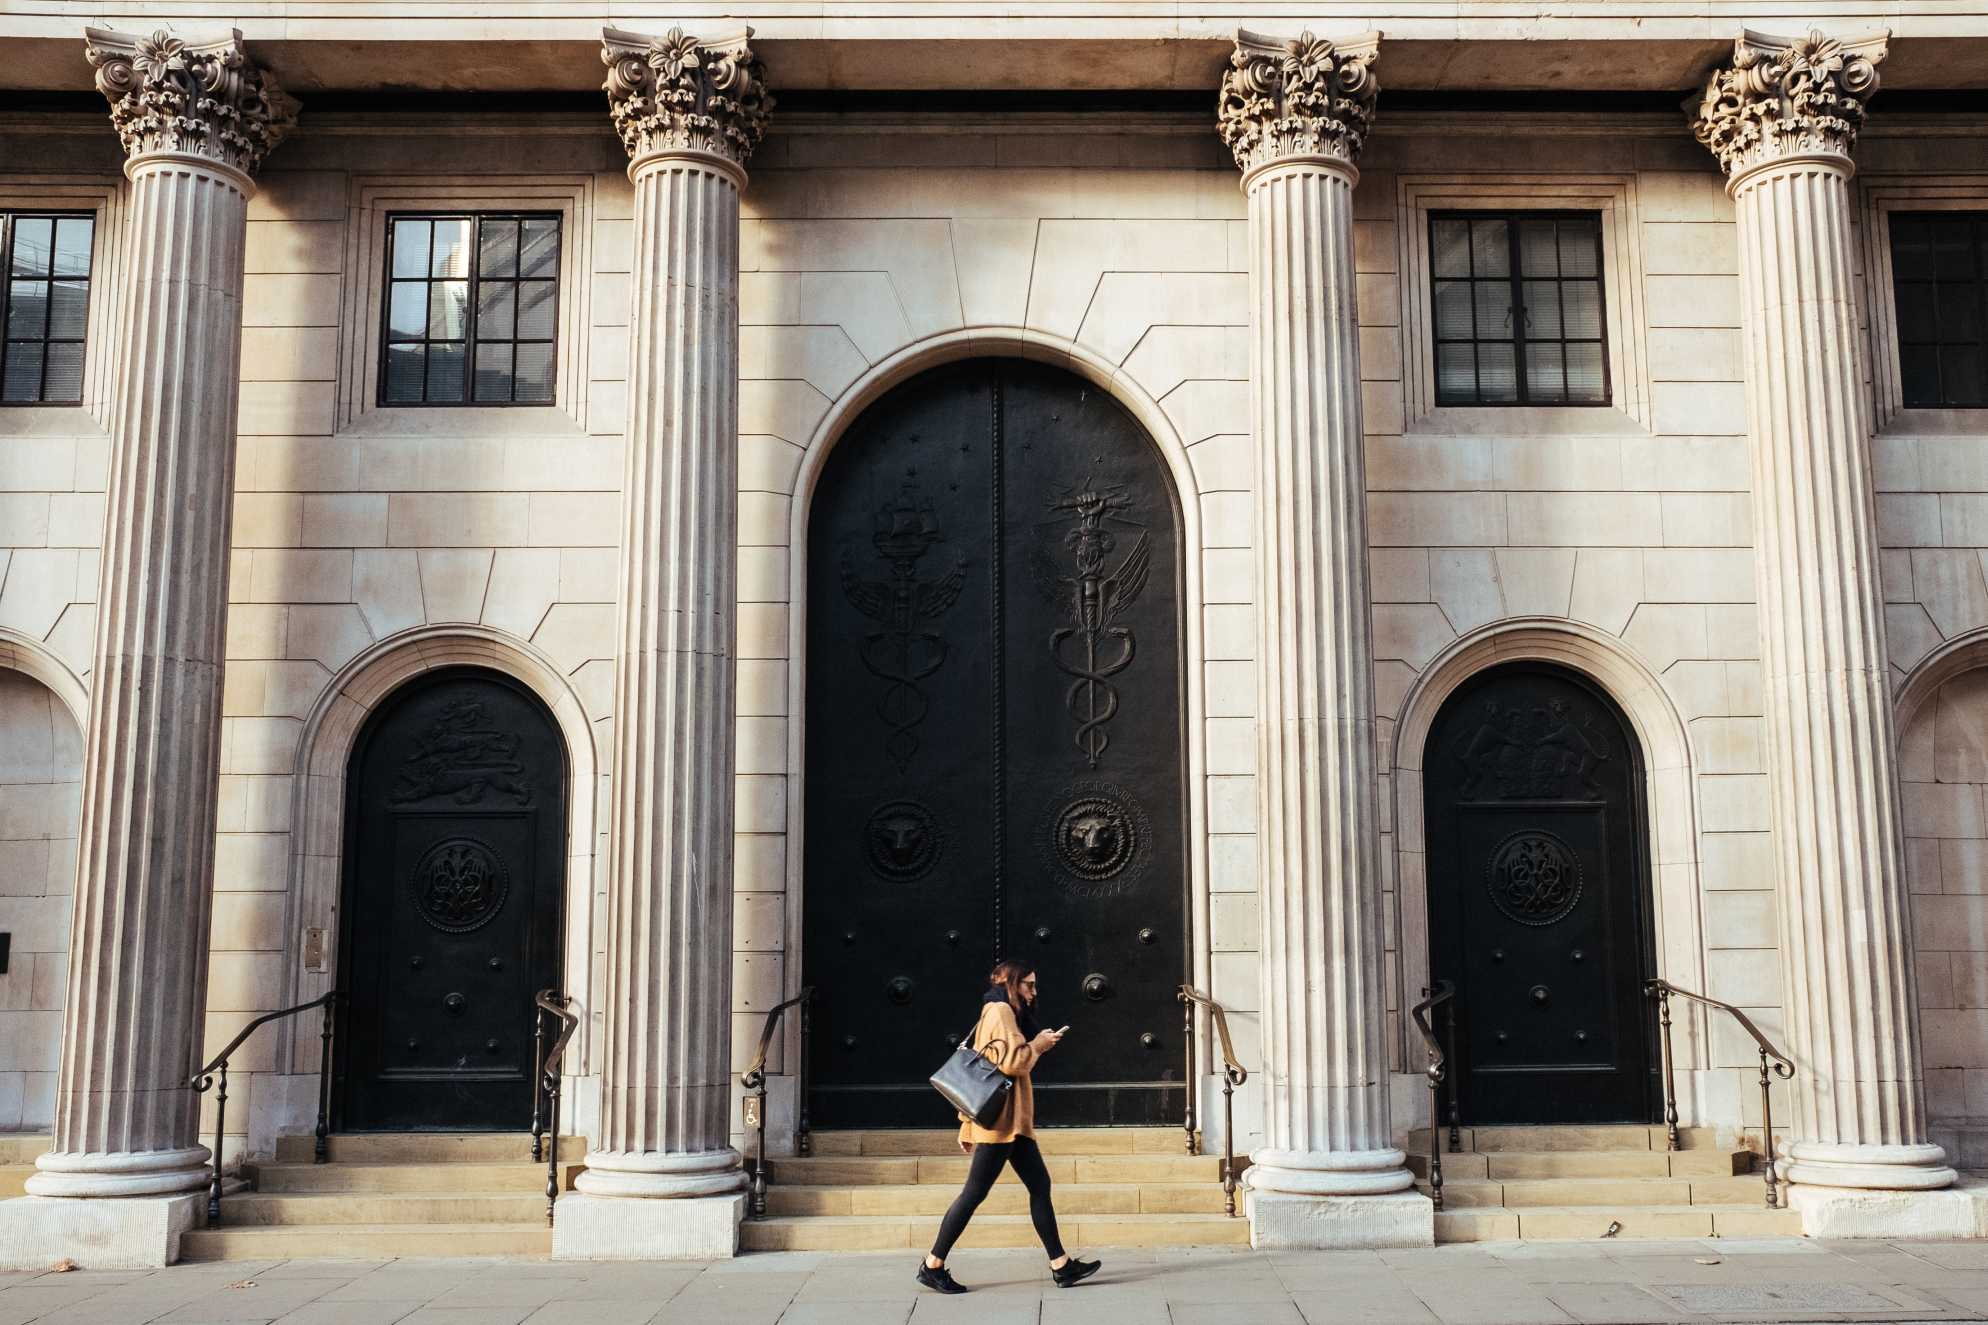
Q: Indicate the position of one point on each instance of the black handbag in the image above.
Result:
(973, 1085)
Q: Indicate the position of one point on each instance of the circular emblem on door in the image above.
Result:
(1095, 840)
(904, 840)
(459, 885)
(1534, 878)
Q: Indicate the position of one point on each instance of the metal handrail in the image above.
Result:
(754, 1081)
(215, 1076)
(546, 1078)
(1442, 994)
(1233, 1075)
(1773, 1063)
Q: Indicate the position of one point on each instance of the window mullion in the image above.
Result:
(1519, 365)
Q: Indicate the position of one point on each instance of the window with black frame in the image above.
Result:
(1939, 270)
(44, 306)
(1518, 312)
(472, 304)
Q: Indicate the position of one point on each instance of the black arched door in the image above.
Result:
(454, 852)
(1539, 898)
(994, 744)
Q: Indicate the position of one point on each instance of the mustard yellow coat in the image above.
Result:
(998, 1038)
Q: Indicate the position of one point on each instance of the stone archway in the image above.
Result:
(1669, 792)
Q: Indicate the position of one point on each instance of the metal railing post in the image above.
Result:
(220, 1131)
(538, 1083)
(1767, 1132)
(321, 1135)
(1233, 1075)
(1670, 1071)
(1441, 994)
(547, 1079)
(1773, 1063)
(1192, 1075)
(214, 1077)
(754, 1080)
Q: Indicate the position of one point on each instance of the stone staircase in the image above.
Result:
(1115, 1187)
(405, 1194)
(18, 1152)
(1572, 1183)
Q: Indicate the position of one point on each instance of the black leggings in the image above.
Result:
(987, 1161)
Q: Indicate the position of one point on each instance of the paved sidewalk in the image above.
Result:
(1507, 1283)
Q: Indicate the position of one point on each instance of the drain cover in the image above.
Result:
(1716, 1299)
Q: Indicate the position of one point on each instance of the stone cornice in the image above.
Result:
(1304, 98)
(202, 98)
(1787, 96)
(675, 93)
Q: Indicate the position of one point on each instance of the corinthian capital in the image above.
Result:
(1307, 97)
(1787, 96)
(196, 98)
(676, 93)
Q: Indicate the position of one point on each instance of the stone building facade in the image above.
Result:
(1539, 494)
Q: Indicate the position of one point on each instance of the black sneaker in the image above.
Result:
(1074, 1272)
(940, 1280)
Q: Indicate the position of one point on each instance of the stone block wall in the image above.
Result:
(1121, 248)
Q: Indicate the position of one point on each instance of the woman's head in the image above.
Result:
(1017, 979)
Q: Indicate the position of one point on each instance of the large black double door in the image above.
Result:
(455, 842)
(994, 744)
(1538, 899)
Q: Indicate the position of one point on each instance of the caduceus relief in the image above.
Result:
(903, 653)
(1095, 647)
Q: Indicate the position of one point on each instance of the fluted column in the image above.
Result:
(690, 113)
(1296, 115)
(1782, 121)
(195, 119)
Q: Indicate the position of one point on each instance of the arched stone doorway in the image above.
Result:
(41, 796)
(1539, 898)
(454, 865)
(995, 747)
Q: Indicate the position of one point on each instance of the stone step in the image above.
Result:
(18, 1148)
(1610, 1137)
(262, 1209)
(1052, 1140)
(1500, 1165)
(1007, 1198)
(364, 1241)
(883, 1170)
(440, 1178)
(1567, 1223)
(14, 1179)
(1086, 1232)
(425, 1147)
(1600, 1191)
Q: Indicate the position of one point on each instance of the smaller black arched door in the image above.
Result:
(1538, 898)
(455, 841)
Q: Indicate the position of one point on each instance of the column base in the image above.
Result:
(606, 1228)
(112, 1233)
(1329, 1172)
(665, 1175)
(120, 1173)
(1283, 1221)
(1915, 1168)
(1959, 1211)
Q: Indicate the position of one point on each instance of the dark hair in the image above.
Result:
(1008, 974)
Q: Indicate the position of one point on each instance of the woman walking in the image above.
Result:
(1008, 1037)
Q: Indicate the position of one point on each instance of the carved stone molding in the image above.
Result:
(677, 93)
(1787, 96)
(202, 98)
(1308, 97)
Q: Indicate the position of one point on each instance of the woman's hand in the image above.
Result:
(1045, 1041)
(966, 1147)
